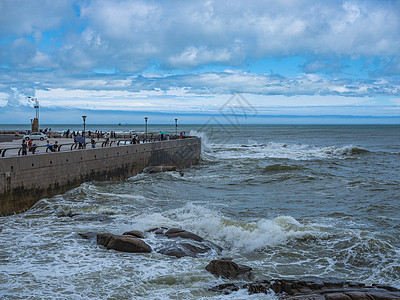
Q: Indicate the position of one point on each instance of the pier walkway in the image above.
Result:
(13, 148)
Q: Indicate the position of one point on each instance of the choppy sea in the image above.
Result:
(286, 200)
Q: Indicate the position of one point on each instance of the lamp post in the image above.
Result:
(176, 127)
(145, 131)
(84, 126)
(35, 123)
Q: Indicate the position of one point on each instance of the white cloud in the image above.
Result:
(57, 48)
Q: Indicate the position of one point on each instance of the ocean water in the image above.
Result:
(288, 201)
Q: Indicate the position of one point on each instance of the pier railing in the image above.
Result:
(31, 150)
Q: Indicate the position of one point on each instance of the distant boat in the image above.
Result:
(119, 124)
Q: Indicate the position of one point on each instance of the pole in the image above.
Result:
(36, 106)
(176, 127)
(84, 126)
(145, 128)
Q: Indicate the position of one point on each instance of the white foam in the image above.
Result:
(279, 150)
(228, 233)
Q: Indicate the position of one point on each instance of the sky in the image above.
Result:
(254, 62)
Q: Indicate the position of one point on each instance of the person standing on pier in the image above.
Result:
(24, 147)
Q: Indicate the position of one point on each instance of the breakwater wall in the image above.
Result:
(26, 179)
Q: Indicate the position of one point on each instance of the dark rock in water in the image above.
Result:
(226, 288)
(92, 218)
(193, 246)
(89, 235)
(158, 230)
(104, 238)
(159, 169)
(135, 233)
(226, 268)
(173, 251)
(177, 232)
(123, 243)
(179, 249)
(315, 288)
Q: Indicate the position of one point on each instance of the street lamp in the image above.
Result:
(176, 127)
(145, 131)
(35, 123)
(84, 126)
(36, 106)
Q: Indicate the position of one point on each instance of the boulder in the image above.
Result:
(314, 288)
(177, 232)
(226, 268)
(135, 233)
(180, 249)
(104, 238)
(124, 243)
(159, 169)
(158, 230)
(88, 235)
(185, 243)
(92, 218)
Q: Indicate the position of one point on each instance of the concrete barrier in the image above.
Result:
(26, 179)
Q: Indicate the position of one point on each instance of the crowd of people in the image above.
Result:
(80, 139)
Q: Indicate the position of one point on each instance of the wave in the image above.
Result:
(280, 151)
(247, 236)
(211, 149)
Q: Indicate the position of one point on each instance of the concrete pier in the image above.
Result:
(26, 179)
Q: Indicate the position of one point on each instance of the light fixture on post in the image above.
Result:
(35, 122)
(176, 127)
(145, 130)
(84, 126)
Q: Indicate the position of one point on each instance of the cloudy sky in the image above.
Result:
(118, 61)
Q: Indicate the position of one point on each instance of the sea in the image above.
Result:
(287, 200)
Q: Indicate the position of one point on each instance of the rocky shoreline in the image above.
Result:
(178, 243)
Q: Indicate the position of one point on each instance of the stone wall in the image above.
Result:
(26, 179)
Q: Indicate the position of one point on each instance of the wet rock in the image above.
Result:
(226, 268)
(185, 243)
(158, 230)
(179, 249)
(135, 233)
(124, 243)
(88, 235)
(226, 288)
(104, 238)
(159, 169)
(177, 232)
(92, 218)
(315, 288)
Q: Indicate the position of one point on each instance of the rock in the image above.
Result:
(315, 288)
(225, 288)
(177, 232)
(193, 246)
(159, 169)
(123, 243)
(135, 233)
(226, 268)
(89, 235)
(92, 218)
(173, 251)
(104, 238)
(158, 230)
(180, 249)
